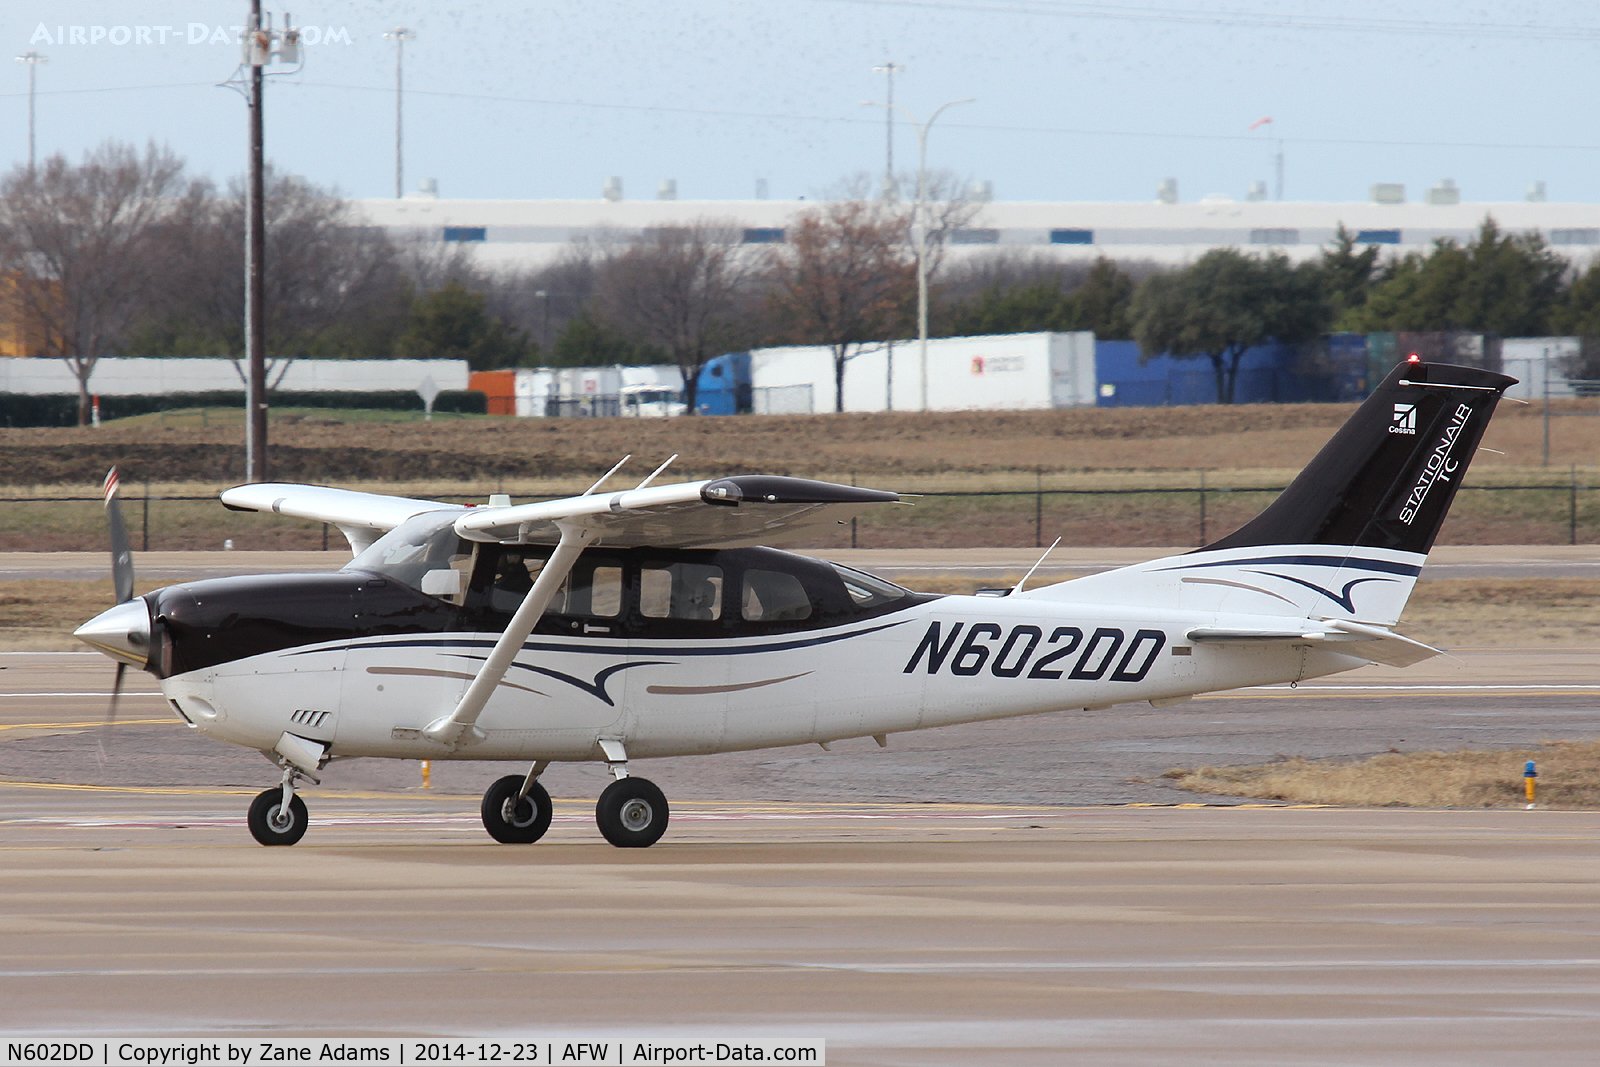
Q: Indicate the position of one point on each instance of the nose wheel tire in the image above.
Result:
(271, 823)
(632, 813)
(516, 822)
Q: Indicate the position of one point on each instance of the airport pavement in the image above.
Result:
(1446, 561)
(904, 935)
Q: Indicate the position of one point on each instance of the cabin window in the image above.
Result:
(773, 596)
(691, 591)
(593, 588)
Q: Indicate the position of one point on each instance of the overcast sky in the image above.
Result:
(1074, 101)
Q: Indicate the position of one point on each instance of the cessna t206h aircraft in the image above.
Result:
(648, 622)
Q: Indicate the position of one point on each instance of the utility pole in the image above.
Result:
(258, 52)
(399, 35)
(262, 47)
(32, 59)
(889, 69)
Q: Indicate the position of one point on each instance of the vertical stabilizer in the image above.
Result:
(1387, 478)
(1348, 537)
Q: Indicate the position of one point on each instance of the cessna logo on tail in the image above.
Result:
(1405, 419)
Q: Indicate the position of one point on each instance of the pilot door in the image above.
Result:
(571, 674)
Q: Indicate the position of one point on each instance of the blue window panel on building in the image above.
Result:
(764, 235)
(1378, 237)
(1072, 237)
(465, 233)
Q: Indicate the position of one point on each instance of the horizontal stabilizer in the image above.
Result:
(1334, 635)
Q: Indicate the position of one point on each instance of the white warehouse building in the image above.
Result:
(533, 233)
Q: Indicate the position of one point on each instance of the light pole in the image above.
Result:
(919, 230)
(889, 70)
(399, 35)
(544, 333)
(33, 59)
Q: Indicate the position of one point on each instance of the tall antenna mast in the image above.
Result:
(889, 69)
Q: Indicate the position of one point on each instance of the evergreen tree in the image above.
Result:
(1504, 284)
(1225, 303)
(1347, 275)
(450, 323)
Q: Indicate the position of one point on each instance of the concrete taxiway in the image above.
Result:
(928, 934)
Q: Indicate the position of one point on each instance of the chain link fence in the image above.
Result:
(1551, 513)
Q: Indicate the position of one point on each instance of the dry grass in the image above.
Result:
(1478, 612)
(1569, 777)
(40, 614)
(890, 446)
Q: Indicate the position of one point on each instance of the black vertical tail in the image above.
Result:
(1387, 478)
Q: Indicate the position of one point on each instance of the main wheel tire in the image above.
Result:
(270, 824)
(516, 822)
(632, 813)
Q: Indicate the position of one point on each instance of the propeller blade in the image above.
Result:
(116, 691)
(121, 550)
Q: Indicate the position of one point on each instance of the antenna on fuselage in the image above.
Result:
(1018, 587)
(658, 470)
(607, 474)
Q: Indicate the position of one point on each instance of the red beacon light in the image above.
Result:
(1413, 358)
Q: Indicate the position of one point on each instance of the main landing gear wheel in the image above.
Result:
(516, 822)
(273, 824)
(632, 813)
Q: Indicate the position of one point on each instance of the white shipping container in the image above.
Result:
(1538, 364)
(1006, 372)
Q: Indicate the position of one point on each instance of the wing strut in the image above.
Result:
(458, 728)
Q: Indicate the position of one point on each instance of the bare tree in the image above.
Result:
(677, 288)
(948, 208)
(323, 269)
(843, 278)
(542, 301)
(82, 243)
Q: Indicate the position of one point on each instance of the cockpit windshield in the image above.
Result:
(868, 591)
(423, 552)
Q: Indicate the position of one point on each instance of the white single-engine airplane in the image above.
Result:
(619, 625)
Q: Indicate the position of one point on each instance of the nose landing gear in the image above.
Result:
(277, 816)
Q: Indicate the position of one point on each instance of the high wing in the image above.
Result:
(720, 513)
(731, 512)
(361, 517)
